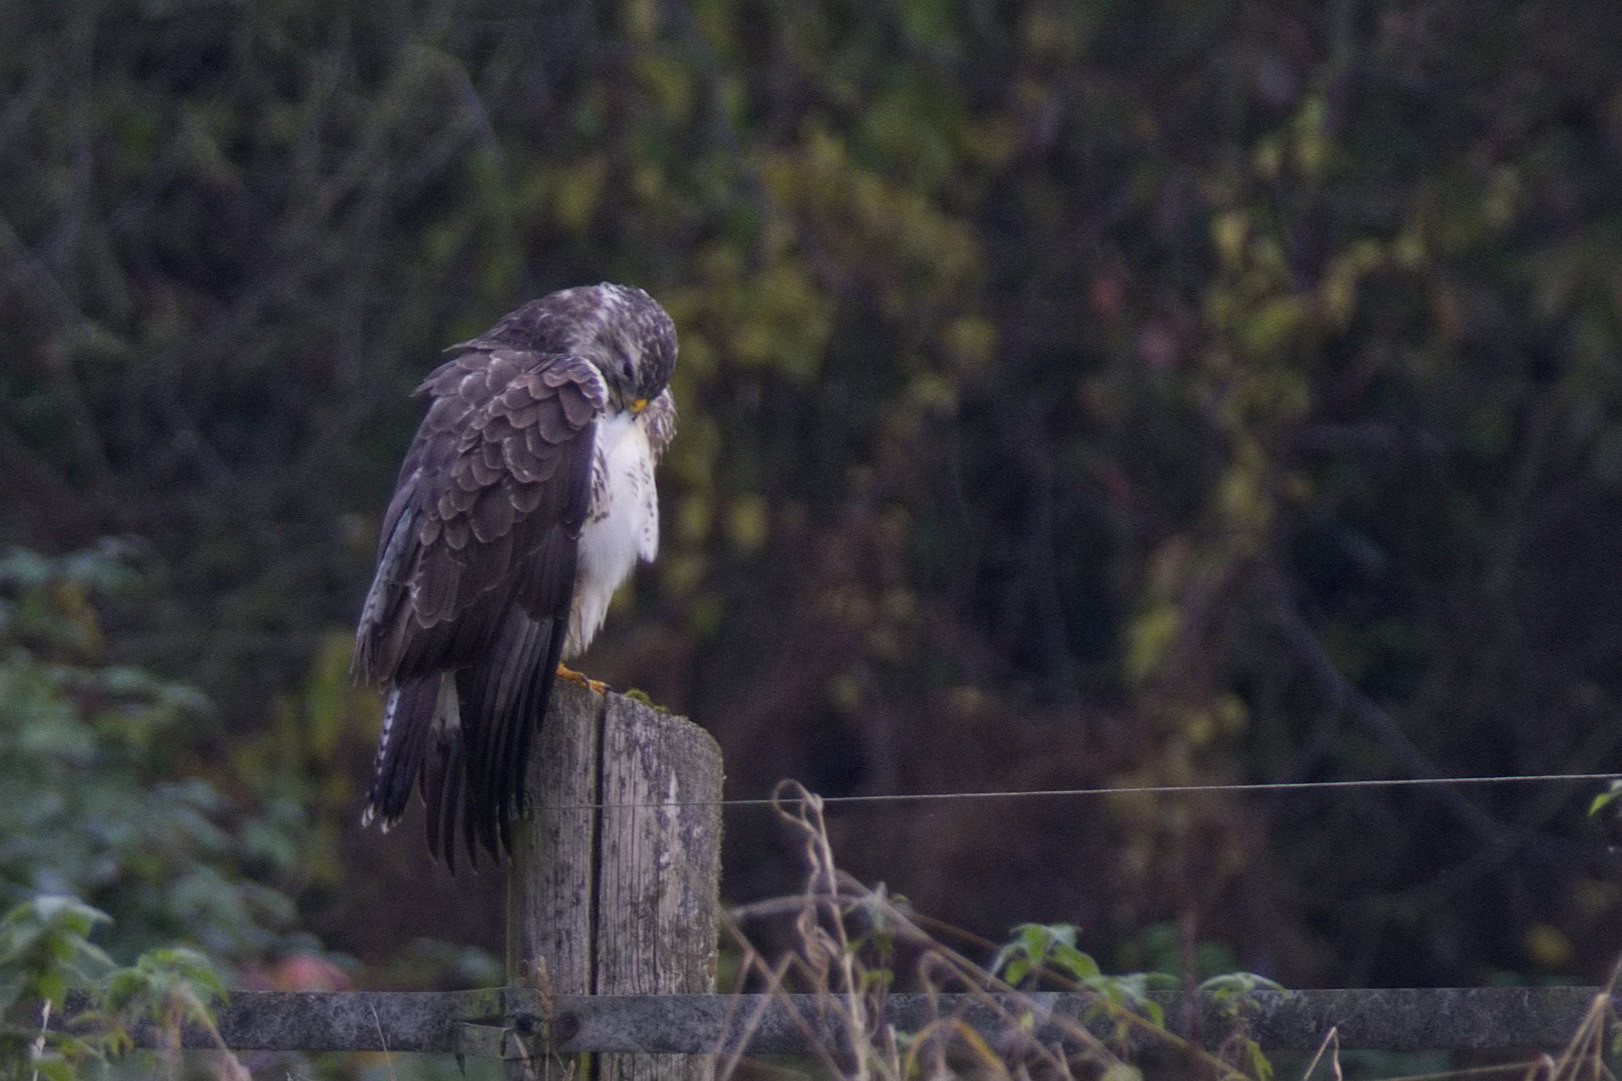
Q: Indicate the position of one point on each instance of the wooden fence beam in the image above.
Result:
(483, 1022)
(1424, 1019)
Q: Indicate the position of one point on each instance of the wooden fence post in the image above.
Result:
(614, 882)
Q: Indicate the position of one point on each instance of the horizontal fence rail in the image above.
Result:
(492, 1023)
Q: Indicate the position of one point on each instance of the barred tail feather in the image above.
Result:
(463, 738)
(409, 715)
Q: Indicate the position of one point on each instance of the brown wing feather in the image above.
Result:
(475, 570)
(492, 483)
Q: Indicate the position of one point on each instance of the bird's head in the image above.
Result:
(629, 338)
(619, 329)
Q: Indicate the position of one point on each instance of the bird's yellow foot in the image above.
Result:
(565, 672)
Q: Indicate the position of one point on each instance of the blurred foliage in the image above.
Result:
(45, 953)
(1049, 950)
(90, 753)
(1073, 395)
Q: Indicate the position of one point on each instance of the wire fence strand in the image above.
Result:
(1257, 788)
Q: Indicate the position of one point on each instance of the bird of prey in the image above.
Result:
(525, 500)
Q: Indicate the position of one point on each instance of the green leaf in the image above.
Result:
(44, 950)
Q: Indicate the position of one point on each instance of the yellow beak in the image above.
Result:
(637, 405)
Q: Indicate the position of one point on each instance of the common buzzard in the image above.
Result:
(524, 501)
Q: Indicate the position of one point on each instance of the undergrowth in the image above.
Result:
(852, 947)
(46, 957)
(851, 950)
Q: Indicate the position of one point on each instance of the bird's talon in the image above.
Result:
(596, 685)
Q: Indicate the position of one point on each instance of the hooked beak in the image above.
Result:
(637, 405)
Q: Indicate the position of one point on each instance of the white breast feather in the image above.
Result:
(622, 524)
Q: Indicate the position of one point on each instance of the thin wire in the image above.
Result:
(1131, 790)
